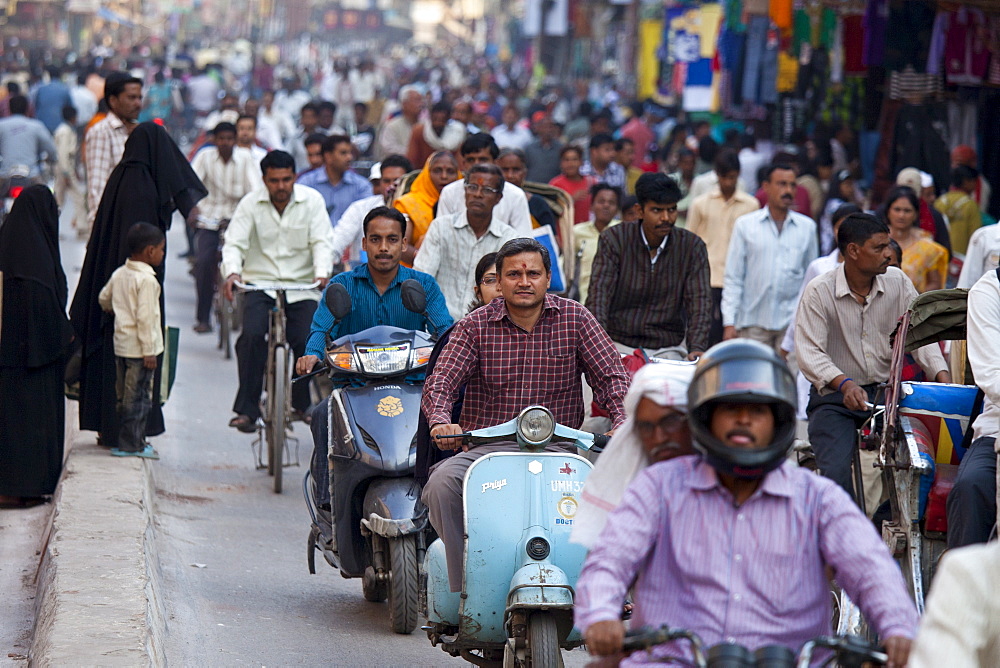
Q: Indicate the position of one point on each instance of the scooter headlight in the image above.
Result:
(341, 358)
(535, 426)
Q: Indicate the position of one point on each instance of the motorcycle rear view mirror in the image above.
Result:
(338, 301)
(414, 297)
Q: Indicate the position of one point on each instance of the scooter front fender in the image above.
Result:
(539, 586)
(390, 506)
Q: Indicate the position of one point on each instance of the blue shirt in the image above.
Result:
(50, 99)
(337, 197)
(369, 308)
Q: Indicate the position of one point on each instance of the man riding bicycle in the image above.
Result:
(279, 233)
(376, 299)
(733, 543)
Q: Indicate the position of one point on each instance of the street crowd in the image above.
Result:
(557, 229)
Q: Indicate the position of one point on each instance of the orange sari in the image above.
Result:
(420, 203)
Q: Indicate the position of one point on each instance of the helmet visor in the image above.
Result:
(743, 380)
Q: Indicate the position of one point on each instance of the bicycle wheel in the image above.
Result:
(279, 416)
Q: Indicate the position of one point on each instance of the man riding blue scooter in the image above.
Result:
(375, 292)
(528, 348)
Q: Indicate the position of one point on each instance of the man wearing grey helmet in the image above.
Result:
(733, 543)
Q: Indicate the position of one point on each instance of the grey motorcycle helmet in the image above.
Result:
(742, 371)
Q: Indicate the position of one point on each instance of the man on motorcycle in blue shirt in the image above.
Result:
(374, 288)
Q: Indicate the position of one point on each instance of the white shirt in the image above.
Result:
(982, 255)
(820, 265)
(294, 247)
(450, 252)
(750, 162)
(227, 182)
(350, 229)
(519, 137)
(512, 208)
(133, 295)
(203, 92)
(764, 269)
(280, 121)
(961, 625)
(659, 249)
(983, 324)
(85, 103)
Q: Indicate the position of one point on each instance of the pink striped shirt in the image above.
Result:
(750, 574)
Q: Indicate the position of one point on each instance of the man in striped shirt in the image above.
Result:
(649, 287)
(733, 544)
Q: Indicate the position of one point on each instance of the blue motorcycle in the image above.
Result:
(374, 527)
(516, 603)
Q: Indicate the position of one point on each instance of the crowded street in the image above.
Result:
(528, 334)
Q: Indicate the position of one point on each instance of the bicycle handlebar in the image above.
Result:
(277, 287)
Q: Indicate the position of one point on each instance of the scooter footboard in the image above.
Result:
(390, 507)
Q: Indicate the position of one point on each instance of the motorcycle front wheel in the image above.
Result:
(403, 583)
(543, 641)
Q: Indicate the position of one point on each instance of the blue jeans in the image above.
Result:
(760, 65)
(134, 389)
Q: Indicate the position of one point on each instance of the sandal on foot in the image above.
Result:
(244, 424)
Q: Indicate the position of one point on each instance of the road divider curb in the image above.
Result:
(98, 599)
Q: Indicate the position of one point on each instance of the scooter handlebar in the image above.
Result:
(600, 442)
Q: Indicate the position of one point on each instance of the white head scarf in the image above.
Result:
(665, 383)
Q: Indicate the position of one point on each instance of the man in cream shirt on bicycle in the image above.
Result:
(280, 234)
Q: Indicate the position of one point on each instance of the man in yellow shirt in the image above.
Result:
(961, 209)
(712, 217)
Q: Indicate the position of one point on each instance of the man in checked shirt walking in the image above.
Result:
(733, 543)
(528, 348)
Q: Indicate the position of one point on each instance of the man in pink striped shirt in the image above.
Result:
(733, 543)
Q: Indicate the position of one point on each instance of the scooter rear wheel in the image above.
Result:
(543, 641)
(403, 583)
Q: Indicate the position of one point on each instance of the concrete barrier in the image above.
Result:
(98, 597)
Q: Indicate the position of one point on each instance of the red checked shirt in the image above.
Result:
(507, 369)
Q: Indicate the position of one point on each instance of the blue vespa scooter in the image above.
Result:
(516, 603)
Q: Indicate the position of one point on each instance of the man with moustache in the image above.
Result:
(649, 286)
(376, 299)
(769, 252)
(528, 348)
(734, 543)
(842, 329)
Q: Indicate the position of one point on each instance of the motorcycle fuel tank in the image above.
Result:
(384, 421)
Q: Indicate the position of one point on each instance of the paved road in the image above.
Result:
(232, 553)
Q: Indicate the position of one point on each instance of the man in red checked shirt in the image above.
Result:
(528, 348)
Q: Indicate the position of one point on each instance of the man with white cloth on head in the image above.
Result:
(655, 430)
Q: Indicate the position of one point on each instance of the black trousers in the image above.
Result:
(206, 272)
(972, 503)
(833, 433)
(715, 329)
(251, 350)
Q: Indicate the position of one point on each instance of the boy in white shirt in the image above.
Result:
(133, 295)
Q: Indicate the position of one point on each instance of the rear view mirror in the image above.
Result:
(338, 300)
(414, 297)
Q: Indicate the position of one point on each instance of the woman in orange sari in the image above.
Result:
(420, 203)
(924, 261)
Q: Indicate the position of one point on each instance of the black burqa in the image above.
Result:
(34, 340)
(152, 180)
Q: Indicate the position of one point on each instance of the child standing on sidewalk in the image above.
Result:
(133, 295)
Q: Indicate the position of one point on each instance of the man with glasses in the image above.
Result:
(455, 242)
(649, 286)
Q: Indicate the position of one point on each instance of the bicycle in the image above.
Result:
(276, 409)
(227, 313)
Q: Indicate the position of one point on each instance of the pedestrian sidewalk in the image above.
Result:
(98, 596)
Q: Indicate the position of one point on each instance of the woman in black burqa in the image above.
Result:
(35, 336)
(152, 180)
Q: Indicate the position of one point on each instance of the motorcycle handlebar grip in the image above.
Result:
(600, 442)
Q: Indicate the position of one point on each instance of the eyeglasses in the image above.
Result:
(668, 424)
(475, 189)
(489, 280)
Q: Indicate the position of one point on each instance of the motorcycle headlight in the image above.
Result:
(385, 360)
(341, 358)
(535, 425)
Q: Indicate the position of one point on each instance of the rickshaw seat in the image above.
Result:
(943, 410)
(936, 517)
